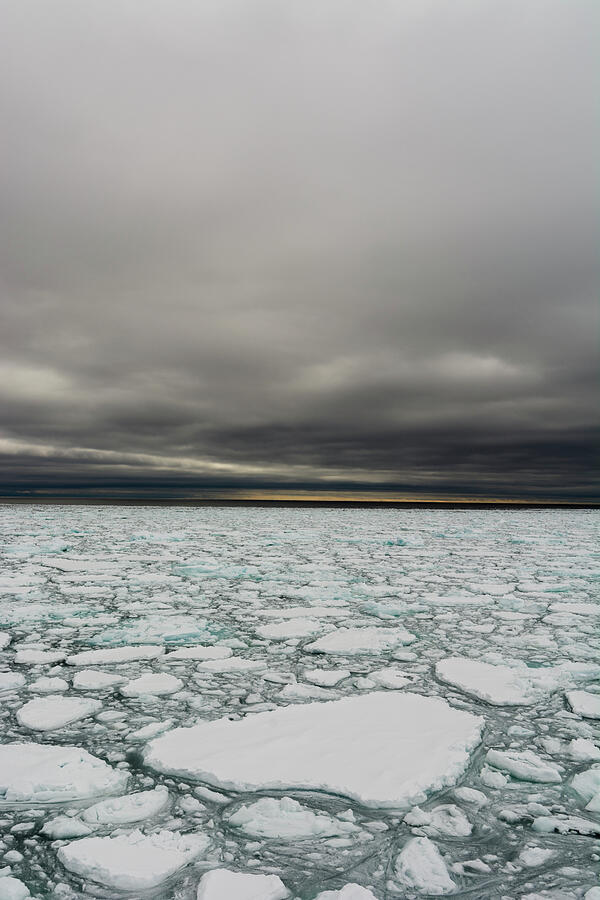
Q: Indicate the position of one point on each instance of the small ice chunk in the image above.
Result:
(288, 820)
(587, 784)
(326, 677)
(114, 655)
(291, 628)
(48, 685)
(54, 711)
(584, 704)
(584, 750)
(566, 825)
(200, 653)
(65, 828)
(146, 732)
(233, 664)
(450, 819)
(385, 749)
(534, 856)
(420, 865)
(389, 677)
(132, 862)
(11, 681)
(45, 773)
(368, 639)
(470, 795)
(297, 691)
(91, 680)
(129, 808)
(12, 888)
(154, 683)
(348, 892)
(524, 765)
(5, 639)
(222, 884)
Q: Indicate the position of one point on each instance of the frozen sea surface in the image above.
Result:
(266, 703)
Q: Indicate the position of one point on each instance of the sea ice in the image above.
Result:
(153, 683)
(420, 866)
(39, 657)
(292, 628)
(48, 685)
(368, 639)
(43, 773)
(233, 664)
(386, 749)
(221, 884)
(114, 655)
(128, 808)
(12, 888)
(348, 892)
(200, 652)
(287, 819)
(55, 711)
(524, 765)
(326, 677)
(65, 828)
(91, 680)
(132, 862)
(584, 704)
(11, 681)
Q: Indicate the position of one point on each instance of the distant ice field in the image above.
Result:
(344, 704)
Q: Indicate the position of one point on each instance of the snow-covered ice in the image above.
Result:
(55, 711)
(272, 654)
(381, 749)
(222, 884)
(132, 862)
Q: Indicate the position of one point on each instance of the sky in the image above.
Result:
(302, 246)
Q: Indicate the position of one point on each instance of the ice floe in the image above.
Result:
(368, 639)
(287, 819)
(385, 749)
(420, 866)
(128, 808)
(55, 711)
(153, 683)
(44, 773)
(222, 884)
(114, 655)
(132, 862)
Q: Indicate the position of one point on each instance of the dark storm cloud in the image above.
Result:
(248, 244)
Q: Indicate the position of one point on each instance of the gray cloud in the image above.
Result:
(303, 244)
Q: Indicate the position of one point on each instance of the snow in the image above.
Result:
(43, 773)
(420, 866)
(132, 862)
(114, 655)
(368, 639)
(55, 711)
(286, 819)
(584, 704)
(382, 749)
(153, 683)
(129, 808)
(221, 884)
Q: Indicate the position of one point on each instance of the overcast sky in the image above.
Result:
(299, 243)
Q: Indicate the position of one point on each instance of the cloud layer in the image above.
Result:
(251, 244)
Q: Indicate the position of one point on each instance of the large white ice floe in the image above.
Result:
(132, 862)
(368, 639)
(114, 655)
(222, 884)
(43, 773)
(503, 685)
(152, 683)
(381, 749)
(13, 888)
(287, 819)
(584, 704)
(128, 808)
(55, 711)
(91, 680)
(199, 653)
(232, 664)
(420, 866)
